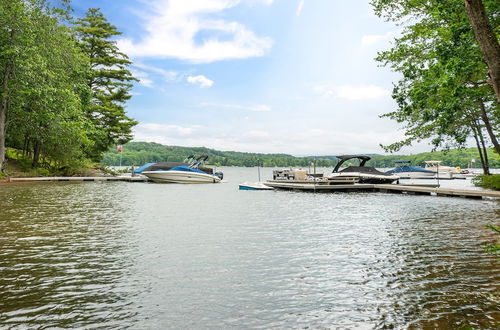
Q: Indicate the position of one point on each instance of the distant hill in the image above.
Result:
(138, 153)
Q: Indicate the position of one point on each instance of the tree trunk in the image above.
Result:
(25, 146)
(486, 164)
(2, 135)
(489, 129)
(478, 136)
(487, 41)
(479, 149)
(4, 102)
(36, 154)
(3, 113)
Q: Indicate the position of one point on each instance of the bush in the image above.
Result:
(24, 164)
(42, 172)
(2, 175)
(488, 181)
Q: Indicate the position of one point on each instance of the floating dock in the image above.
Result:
(415, 189)
(82, 178)
(410, 189)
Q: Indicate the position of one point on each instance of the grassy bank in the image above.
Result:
(19, 166)
(488, 181)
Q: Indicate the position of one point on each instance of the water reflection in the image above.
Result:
(210, 256)
(65, 251)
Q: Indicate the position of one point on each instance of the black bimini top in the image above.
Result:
(344, 158)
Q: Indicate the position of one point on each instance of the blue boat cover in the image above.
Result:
(408, 169)
(186, 169)
(142, 168)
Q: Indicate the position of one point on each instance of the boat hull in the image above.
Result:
(180, 177)
(411, 175)
(254, 186)
(366, 177)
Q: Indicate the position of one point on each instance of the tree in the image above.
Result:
(13, 32)
(46, 92)
(487, 40)
(110, 82)
(443, 93)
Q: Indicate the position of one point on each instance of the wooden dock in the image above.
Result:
(410, 189)
(414, 189)
(82, 178)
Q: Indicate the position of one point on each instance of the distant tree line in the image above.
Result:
(448, 56)
(139, 153)
(63, 84)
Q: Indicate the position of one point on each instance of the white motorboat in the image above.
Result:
(434, 166)
(365, 174)
(191, 171)
(182, 174)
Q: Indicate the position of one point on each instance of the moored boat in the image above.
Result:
(436, 167)
(403, 170)
(191, 171)
(364, 174)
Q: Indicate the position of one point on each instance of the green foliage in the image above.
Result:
(493, 248)
(138, 153)
(488, 181)
(109, 80)
(453, 157)
(60, 105)
(443, 94)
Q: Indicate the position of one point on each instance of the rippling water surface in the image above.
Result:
(146, 256)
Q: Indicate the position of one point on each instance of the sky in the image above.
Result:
(269, 76)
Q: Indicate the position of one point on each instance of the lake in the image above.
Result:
(160, 256)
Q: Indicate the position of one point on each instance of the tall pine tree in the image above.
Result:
(110, 81)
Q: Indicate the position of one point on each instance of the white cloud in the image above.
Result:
(350, 92)
(255, 107)
(372, 39)
(149, 75)
(165, 75)
(201, 80)
(173, 26)
(256, 134)
(299, 8)
(153, 129)
(321, 141)
(143, 77)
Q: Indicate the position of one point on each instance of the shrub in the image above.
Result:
(488, 181)
(42, 172)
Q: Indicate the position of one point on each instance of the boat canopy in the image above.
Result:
(142, 168)
(402, 162)
(344, 158)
